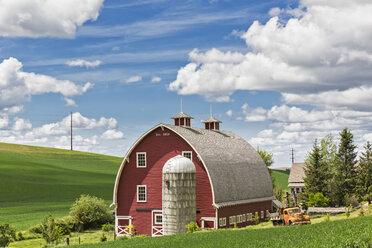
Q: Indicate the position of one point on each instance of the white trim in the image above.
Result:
(118, 175)
(141, 153)
(138, 200)
(156, 230)
(156, 222)
(233, 203)
(183, 154)
(213, 219)
(123, 230)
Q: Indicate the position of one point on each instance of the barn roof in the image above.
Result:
(238, 174)
(181, 115)
(297, 173)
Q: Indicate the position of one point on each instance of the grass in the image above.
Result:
(36, 181)
(280, 178)
(354, 232)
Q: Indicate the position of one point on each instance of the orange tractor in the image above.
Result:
(290, 215)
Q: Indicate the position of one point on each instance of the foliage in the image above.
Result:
(50, 231)
(266, 157)
(192, 227)
(90, 211)
(67, 224)
(103, 238)
(108, 227)
(327, 218)
(361, 212)
(317, 200)
(256, 218)
(339, 233)
(345, 175)
(351, 201)
(315, 172)
(347, 212)
(364, 175)
(7, 234)
(30, 175)
(278, 193)
(20, 236)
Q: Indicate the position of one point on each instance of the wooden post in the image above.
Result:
(67, 241)
(115, 235)
(79, 240)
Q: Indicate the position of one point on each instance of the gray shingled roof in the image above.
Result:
(211, 119)
(237, 172)
(297, 173)
(181, 115)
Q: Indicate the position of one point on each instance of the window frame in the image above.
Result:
(137, 164)
(249, 216)
(262, 214)
(222, 221)
(156, 221)
(183, 154)
(138, 186)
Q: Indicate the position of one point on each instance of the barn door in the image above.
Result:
(157, 223)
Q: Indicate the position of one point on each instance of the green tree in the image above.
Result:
(315, 172)
(90, 211)
(7, 234)
(266, 157)
(345, 175)
(364, 175)
(49, 229)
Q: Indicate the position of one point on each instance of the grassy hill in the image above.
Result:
(355, 232)
(35, 181)
(280, 178)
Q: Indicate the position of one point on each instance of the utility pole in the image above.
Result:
(292, 155)
(71, 131)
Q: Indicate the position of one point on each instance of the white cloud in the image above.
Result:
(229, 113)
(253, 115)
(70, 102)
(82, 63)
(4, 122)
(133, 79)
(112, 134)
(17, 86)
(21, 124)
(155, 79)
(49, 18)
(322, 46)
(78, 122)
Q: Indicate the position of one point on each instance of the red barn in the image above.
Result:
(233, 184)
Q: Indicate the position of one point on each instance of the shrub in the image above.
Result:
(361, 213)
(278, 193)
(192, 227)
(256, 218)
(108, 227)
(50, 231)
(352, 201)
(66, 224)
(20, 236)
(347, 212)
(318, 200)
(103, 238)
(326, 218)
(90, 211)
(7, 234)
(35, 229)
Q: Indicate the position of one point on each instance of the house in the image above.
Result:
(296, 178)
(231, 182)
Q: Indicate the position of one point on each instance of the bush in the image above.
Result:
(35, 229)
(256, 218)
(361, 212)
(7, 234)
(326, 218)
(50, 231)
(347, 212)
(66, 224)
(352, 201)
(90, 212)
(20, 236)
(103, 238)
(192, 227)
(317, 200)
(278, 193)
(108, 227)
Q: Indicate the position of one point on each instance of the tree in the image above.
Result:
(315, 172)
(267, 158)
(7, 234)
(50, 231)
(90, 211)
(364, 175)
(345, 174)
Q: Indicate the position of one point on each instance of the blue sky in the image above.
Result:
(278, 73)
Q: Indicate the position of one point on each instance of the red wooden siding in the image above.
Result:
(244, 209)
(159, 147)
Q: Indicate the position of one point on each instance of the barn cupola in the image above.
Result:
(182, 119)
(212, 123)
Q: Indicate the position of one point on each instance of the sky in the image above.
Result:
(278, 73)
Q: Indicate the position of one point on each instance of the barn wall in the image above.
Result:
(159, 147)
(243, 209)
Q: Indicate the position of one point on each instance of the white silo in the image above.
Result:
(179, 194)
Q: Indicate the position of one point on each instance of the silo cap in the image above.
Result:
(179, 164)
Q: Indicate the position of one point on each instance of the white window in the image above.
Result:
(187, 154)
(141, 159)
(232, 220)
(158, 219)
(262, 214)
(141, 193)
(249, 216)
(244, 218)
(222, 221)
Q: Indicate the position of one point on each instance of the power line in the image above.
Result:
(292, 155)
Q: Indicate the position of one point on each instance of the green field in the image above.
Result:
(355, 232)
(35, 181)
(280, 178)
